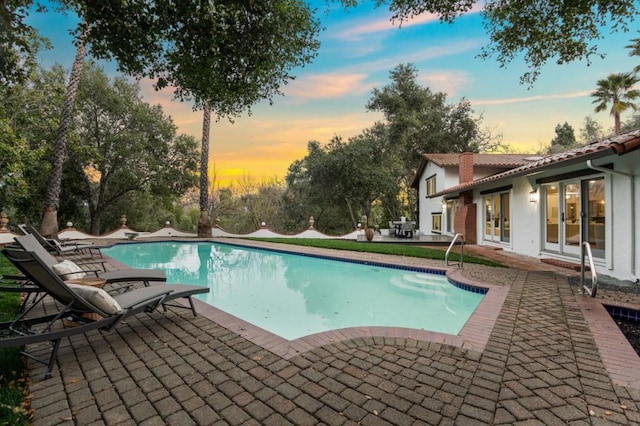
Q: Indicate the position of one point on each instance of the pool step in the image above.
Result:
(422, 283)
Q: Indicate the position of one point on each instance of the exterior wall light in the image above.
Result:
(533, 197)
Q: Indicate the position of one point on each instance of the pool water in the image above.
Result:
(293, 296)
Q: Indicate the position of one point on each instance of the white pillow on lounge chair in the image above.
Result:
(68, 270)
(97, 297)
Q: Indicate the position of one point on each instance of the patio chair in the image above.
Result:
(393, 229)
(407, 229)
(76, 301)
(69, 270)
(59, 247)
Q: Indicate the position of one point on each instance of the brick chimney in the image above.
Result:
(465, 165)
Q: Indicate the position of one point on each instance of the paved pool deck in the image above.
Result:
(535, 353)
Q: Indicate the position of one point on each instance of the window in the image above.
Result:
(436, 222)
(431, 185)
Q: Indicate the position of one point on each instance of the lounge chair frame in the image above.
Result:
(28, 335)
(60, 248)
(21, 331)
(30, 243)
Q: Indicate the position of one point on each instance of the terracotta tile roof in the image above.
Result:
(497, 161)
(483, 160)
(620, 144)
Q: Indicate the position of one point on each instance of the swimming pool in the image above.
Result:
(294, 296)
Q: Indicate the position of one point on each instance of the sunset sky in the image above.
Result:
(359, 48)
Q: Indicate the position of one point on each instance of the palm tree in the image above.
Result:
(49, 226)
(634, 48)
(204, 224)
(617, 90)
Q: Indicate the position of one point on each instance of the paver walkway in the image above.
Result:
(541, 365)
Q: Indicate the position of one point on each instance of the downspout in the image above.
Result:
(631, 177)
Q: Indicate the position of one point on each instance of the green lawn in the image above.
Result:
(13, 382)
(396, 249)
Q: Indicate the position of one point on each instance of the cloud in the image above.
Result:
(328, 86)
(362, 30)
(450, 82)
(359, 32)
(389, 62)
(535, 98)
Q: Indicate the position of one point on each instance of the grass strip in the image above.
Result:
(14, 384)
(407, 250)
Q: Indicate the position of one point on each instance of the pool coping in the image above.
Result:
(473, 336)
(618, 356)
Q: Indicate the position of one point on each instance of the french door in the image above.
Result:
(496, 217)
(574, 212)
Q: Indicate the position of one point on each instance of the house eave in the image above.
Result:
(613, 147)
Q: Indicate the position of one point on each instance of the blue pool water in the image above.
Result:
(294, 296)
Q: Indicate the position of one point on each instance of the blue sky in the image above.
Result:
(360, 47)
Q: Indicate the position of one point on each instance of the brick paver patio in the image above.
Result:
(538, 354)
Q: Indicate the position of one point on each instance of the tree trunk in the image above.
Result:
(96, 218)
(616, 122)
(49, 226)
(204, 224)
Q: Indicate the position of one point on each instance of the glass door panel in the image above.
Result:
(572, 223)
(497, 217)
(506, 230)
(452, 209)
(595, 228)
(488, 217)
(552, 217)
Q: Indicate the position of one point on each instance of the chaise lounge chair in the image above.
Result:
(76, 301)
(66, 268)
(58, 247)
(122, 275)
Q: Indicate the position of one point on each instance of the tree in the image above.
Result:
(15, 149)
(556, 30)
(591, 131)
(204, 223)
(366, 171)
(311, 191)
(618, 92)
(227, 54)
(565, 139)
(339, 183)
(49, 226)
(632, 123)
(634, 48)
(126, 145)
(421, 121)
(230, 57)
(19, 42)
(29, 113)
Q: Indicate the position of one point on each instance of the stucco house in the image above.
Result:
(540, 206)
